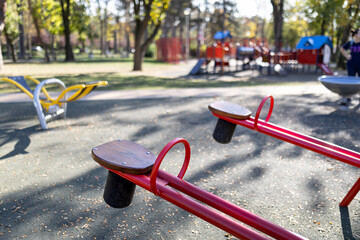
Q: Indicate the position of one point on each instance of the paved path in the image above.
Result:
(183, 93)
(52, 189)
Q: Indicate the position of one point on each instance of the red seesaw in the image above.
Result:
(130, 164)
(231, 114)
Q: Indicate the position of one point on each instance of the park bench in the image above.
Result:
(47, 106)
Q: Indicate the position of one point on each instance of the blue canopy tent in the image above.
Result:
(222, 35)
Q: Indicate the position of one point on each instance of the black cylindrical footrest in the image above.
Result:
(118, 191)
(224, 131)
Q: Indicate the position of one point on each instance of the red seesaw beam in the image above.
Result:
(322, 147)
(159, 182)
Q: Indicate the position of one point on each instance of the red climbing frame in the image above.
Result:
(307, 142)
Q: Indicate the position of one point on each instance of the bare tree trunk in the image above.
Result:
(142, 43)
(11, 46)
(8, 51)
(322, 30)
(22, 52)
(115, 42)
(127, 31)
(278, 10)
(101, 35)
(37, 27)
(106, 47)
(138, 55)
(101, 28)
(198, 35)
(115, 32)
(69, 55)
(53, 53)
(2, 25)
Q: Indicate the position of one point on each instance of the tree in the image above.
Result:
(106, 19)
(278, 11)
(148, 15)
(80, 22)
(22, 51)
(52, 22)
(334, 18)
(320, 14)
(11, 29)
(124, 9)
(352, 10)
(2, 25)
(101, 21)
(224, 18)
(293, 31)
(65, 12)
(36, 13)
(175, 18)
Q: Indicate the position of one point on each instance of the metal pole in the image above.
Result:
(187, 24)
(187, 44)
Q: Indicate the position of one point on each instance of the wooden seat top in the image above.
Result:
(124, 156)
(229, 109)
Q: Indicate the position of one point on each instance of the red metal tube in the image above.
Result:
(351, 194)
(162, 154)
(230, 209)
(322, 147)
(257, 115)
(310, 143)
(223, 222)
(157, 181)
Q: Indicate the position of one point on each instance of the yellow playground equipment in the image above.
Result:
(48, 107)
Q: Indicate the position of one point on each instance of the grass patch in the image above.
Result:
(118, 72)
(118, 82)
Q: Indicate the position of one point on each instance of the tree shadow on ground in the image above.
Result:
(74, 207)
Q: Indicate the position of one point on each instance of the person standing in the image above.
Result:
(353, 58)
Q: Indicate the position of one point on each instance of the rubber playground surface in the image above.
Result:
(51, 188)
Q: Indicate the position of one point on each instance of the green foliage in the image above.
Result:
(79, 18)
(228, 19)
(150, 51)
(294, 28)
(320, 14)
(12, 20)
(158, 9)
(293, 31)
(50, 17)
(49, 14)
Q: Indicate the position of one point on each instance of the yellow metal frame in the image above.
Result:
(81, 90)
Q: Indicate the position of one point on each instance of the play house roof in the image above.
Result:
(313, 42)
(222, 35)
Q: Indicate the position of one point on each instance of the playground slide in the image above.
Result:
(197, 68)
(325, 69)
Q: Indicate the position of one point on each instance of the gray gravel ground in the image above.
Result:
(52, 189)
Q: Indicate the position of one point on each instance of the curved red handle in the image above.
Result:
(161, 156)
(260, 108)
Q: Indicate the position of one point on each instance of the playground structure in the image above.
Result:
(169, 50)
(315, 50)
(229, 115)
(224, 49)
(310, 51)
(130, 164)
(49, 107)
(345, 86)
